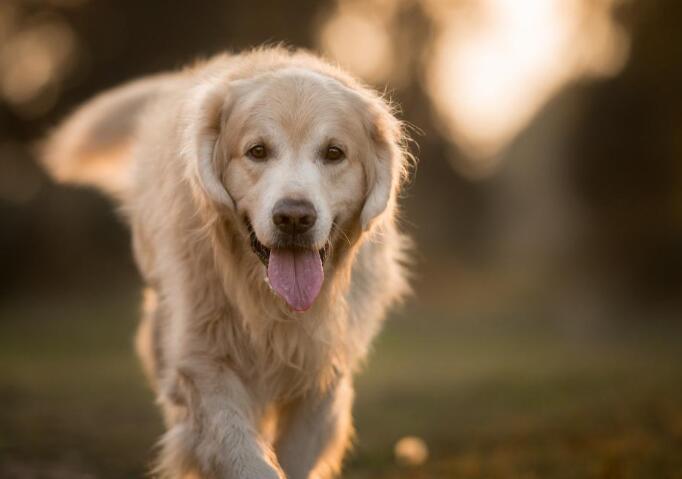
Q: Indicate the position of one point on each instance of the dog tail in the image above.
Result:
(93, 146)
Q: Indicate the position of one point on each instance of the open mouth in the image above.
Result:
(263, 252)
(295, 270)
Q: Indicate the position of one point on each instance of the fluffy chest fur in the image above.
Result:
(220, 305)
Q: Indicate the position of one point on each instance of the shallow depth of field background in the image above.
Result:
(544, 338)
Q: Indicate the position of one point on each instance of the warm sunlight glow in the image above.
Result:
(494, 67)
(35, 57)
(489, 76)
(490, 65)
(358, 38)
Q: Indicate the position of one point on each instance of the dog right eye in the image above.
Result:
(258, 152)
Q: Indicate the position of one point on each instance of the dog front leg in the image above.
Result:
(217, 437)
(316, 433)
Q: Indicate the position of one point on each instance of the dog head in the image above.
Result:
(302, 159)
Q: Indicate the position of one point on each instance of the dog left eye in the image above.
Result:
(258, 152)
(334, 153)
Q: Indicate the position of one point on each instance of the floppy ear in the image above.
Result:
(208, 108)
(385, 169)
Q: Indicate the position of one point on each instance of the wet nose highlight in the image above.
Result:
(293, 216)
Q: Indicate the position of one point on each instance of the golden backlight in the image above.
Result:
(489, 66)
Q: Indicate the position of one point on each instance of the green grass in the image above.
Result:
(493, 397)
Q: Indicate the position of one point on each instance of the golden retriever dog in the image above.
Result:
(261, 193)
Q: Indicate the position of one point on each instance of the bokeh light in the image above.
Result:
(489, 66)
(37, 54)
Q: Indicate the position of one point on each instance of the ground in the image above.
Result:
(493, 396)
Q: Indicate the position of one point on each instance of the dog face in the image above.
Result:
(301, 156)
(296, 147)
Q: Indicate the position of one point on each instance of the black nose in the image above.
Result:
(294, 216)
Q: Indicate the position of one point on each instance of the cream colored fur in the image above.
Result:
(249, 389)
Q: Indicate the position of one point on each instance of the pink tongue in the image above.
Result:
(296, 275)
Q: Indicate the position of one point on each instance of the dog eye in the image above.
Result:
(334, 153)
(258, 152)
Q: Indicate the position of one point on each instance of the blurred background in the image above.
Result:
(544, 337)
